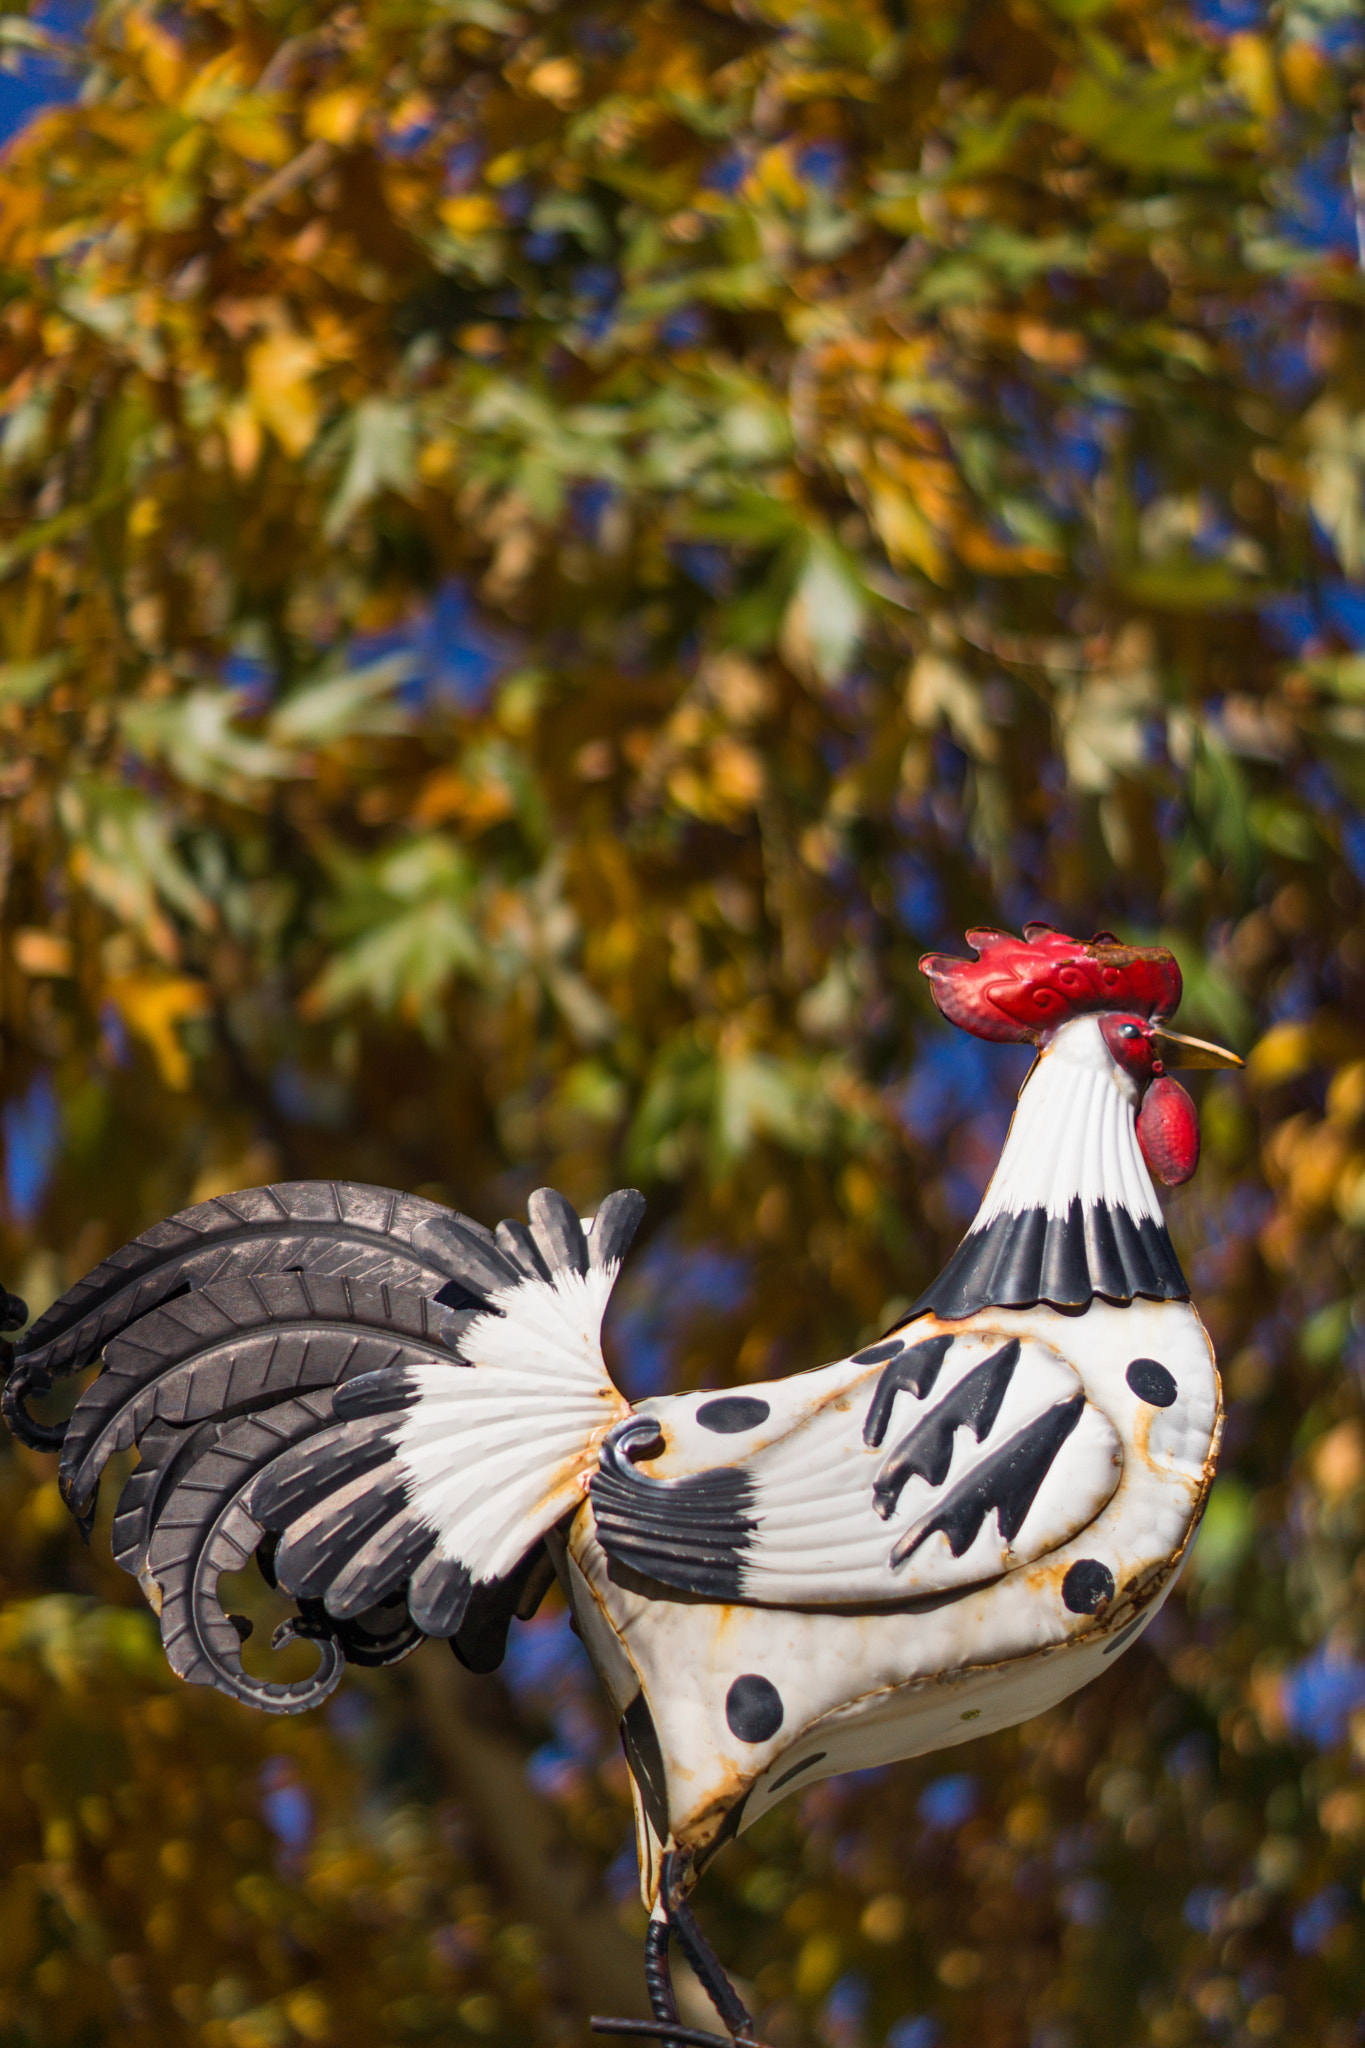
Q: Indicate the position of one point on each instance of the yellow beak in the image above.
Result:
(1193, 1052)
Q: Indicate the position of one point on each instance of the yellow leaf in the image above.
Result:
(1320, 1169)
(336, 116)
(309, 2013)
(506, 167)
(905, 531)
(244, 438)
(477, 803)
(279, 373)
(884, 1919)
(162, 58)
(214, 87)
(1338, 1459)
(736, 775)
(981, 550)
(40, 953)
(773, 176)
(144, 516)
(556, 79)
(1284, 1052)
(471, 214)
(1306, 72)
(1060, 348)
(252, 132)
(1251, 69)
(152, 1004)
(1346, 1093)
(817, 1965)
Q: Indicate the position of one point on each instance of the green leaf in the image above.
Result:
(123, 849)
(197, 738)
(827, 614)
(1285, 827)
(1143, 119)
(413, 930)
(358, 703)
(22, 681)
(1343, 675)
(1188, 583)
(1324, 1335)
(1225, 1535)
(381, 439)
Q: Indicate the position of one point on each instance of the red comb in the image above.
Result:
(1021, 988)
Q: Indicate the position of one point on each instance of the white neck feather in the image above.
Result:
(1073, 1134)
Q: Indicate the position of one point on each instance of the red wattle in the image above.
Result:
(1168, 1131)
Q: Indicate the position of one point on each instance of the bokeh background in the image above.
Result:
(547, 551)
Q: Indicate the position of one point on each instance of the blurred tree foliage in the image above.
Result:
(545, 552)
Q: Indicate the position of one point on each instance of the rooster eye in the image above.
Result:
(1128, 1031)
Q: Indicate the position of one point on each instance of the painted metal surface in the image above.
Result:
(897, 1679)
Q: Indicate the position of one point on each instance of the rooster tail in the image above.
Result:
(385, 1404)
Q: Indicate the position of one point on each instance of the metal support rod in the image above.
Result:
(660, 2030)
(658, 1978)
(714, 1982)
(665, 2024)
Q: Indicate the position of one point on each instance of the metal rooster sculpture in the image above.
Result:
(406, 1420)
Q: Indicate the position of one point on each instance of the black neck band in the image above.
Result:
(1018, 1260)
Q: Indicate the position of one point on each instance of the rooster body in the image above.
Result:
(844, 1685)
(940, 1535)
(407, 1421)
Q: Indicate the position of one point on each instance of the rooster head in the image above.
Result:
(1024, 991)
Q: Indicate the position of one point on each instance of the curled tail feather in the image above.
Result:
(385, 1404)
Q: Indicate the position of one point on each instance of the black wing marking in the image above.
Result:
(517, 1245)
(818, 1515)
(690, 1532)
(201, 1531)
(1007, 1480)
(974, 1403)
(913, 1372)
(336, 1228)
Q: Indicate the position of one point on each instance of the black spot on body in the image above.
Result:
(732, 1413)
(1087, 1586)
(1152, 1382)
(753, 1708)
